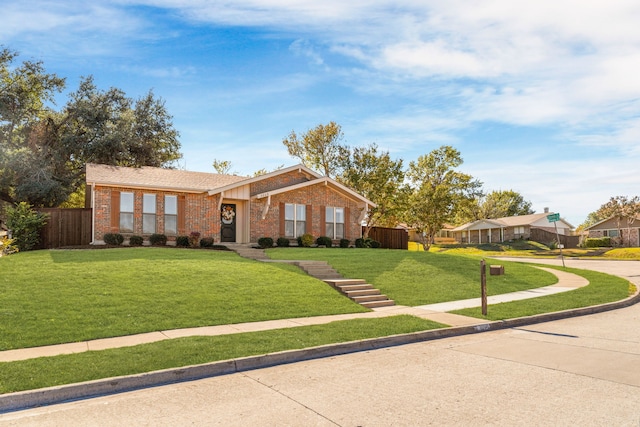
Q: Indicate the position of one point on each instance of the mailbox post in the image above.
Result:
(483, 286)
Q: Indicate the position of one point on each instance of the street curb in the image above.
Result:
(59, 394)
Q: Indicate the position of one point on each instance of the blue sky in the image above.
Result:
(540, 97)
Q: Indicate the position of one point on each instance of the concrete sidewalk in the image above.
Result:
(434, 312)
(566, 282)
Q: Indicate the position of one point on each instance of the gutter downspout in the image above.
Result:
(93, 213)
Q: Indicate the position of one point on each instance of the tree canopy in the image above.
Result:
(319, 148)
(437, 191)
(495, 204)
(43, 151)
(380, 179)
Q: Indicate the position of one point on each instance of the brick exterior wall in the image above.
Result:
(201, 210)
(200, 213)
(318, 196)
(630, 237)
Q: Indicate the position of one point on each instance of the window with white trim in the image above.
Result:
(611, 233)
(334, 220)
(171, 215)
(518, 230)
(148, 213)
(126, 212)
(295, 217)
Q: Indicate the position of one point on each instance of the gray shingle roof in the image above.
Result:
(160, 178)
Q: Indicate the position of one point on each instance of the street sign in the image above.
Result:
(553, 217)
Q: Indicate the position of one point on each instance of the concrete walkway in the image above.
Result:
(434, 312)
(566, 282)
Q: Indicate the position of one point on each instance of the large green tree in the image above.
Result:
(319, 148)
(43, 151)
(379, 178)
(495, 204)
(25, 90)
(108, 127)
(437, 191)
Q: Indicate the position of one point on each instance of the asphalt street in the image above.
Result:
(577, 371)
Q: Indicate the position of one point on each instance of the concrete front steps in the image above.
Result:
(248, 251)
(361, 292)
(356, 289)
(319, 269)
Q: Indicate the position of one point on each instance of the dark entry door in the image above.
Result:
(228, 223)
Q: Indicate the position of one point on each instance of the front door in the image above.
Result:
(228, 223)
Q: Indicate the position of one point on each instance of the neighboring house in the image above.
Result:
(508, 228)
(286, 203)
(414, 236)
(609, 228)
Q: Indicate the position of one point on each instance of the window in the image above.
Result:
(148, 213)
(611, 233)
(334, 219)
(518, 230)
(126, 212)
(295, 217)
(171, 214)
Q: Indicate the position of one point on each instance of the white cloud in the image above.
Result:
(305, 48)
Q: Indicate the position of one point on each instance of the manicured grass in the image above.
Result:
(533, 249)
(602, 288)
(58, 296)
(58, 370)
(418, 278)
(623, 253)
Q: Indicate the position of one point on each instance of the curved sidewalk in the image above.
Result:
(435, 312)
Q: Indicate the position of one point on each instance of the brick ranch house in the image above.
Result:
(625, 233)
(508, 228)
(229, 208)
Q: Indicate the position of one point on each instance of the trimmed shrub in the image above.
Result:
(194, 239)
(305, 241)
(324, 241)
(136, 241)
(206, 242)
(367, 243)
(114, 239)
(158, 239)
(265, 242)
(283, 242)
(182, 241)
(344, 243)
(25, 225)
(601, 242)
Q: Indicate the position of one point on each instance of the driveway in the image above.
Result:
(579, 371)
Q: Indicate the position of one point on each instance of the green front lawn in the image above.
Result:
(49, 297)
(419, 278)
(59, 296)
(602, 288)
(73, 368)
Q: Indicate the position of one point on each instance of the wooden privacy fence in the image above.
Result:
(546, 237)
(390, 238)
(66, 227)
